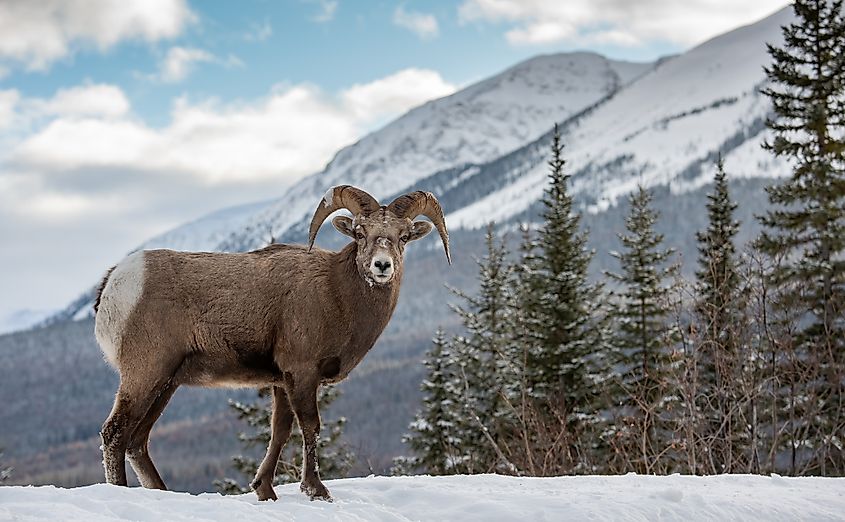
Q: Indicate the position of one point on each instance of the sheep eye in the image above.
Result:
(403, 238)
(359, 234)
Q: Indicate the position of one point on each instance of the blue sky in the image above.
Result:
(261, 43)
(120, 120)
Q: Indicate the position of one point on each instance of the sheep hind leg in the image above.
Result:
(138, 448)
(304, 402)
(281, 426)
(130, 405)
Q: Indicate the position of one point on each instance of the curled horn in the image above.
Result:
(421, 203)
(352, 199)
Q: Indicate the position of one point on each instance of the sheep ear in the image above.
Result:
(419, 230)
(343, 224)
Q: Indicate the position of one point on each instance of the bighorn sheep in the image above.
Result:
(287, 316)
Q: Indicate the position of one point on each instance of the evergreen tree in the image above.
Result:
(643, 333)
(537, 437)
(335, 459)
(5, 471)
(434, 434)
(563, 305)
(482, 355)
(717, 275)
(805, 230)
(524, 324)
(717, 310)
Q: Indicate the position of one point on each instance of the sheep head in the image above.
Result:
(380, 232)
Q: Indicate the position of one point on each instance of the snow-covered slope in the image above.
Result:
(666, 128)
(207, 232)
(481, 122)
(477, 124)
(478, 497)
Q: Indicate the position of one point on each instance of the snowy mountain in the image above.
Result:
(207, 232)
(665, 129)
(477, 124)
(483, 149)
(467, 497)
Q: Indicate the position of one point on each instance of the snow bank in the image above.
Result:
(479, 497)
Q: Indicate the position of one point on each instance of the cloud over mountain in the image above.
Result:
(618, 22)
(83, 158)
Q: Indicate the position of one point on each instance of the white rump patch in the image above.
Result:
(120, 297)
(328, 198)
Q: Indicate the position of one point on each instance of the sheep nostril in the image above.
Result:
(382, 265)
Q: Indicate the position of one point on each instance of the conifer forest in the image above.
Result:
(738, 369)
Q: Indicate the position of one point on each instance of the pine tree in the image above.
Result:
(524, 324)
(717, 275)
(482, 355)
(642, 334)
(563, 304)
(536, 436)
(434, 434)
(5, 471)
(806, 229)
(717, 311)
(335, 459)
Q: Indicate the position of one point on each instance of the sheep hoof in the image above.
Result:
(264, 489)
(316, 491)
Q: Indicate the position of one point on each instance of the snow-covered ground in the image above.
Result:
(479, 497)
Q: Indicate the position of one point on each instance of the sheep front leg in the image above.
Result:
(280, 432)
(305, 406)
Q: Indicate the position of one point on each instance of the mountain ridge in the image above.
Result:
(425, 141)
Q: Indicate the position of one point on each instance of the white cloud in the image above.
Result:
(8, 104)
(424, 25)
(290, 133)
(66, 144)
(394, 94)
(36, 33)
(102, 173)
(53, 206)
(21, 117)
(99, 181)
(619, 22)
(327, 11)
(259, 32)
(180, 61)
(86, 100)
